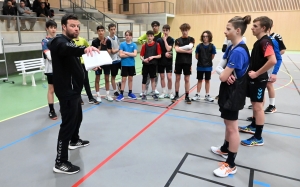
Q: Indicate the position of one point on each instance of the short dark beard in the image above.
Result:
(71, 36)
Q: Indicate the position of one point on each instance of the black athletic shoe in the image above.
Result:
(155, 97)
(270, 109)
(175, 98)
(250, 118)
(188, 100)
(78, 144)
(144, 97)
(66, 168)
(82, 103)
(116, 94)
(217, 97)
(93, 101)
(52, 115)
(119, 86)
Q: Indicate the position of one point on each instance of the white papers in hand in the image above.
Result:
(98, 59)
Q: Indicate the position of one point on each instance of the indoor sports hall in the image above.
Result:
(153, 143)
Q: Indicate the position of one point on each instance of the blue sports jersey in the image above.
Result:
(277, 54)
(129, 61)
(238, 59)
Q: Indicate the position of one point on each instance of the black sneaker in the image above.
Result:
(116, 94)
(52, 115)
(144, 97)
(119, 86)
(217, 97)
(93, 101)
(66, 168)
(175, 98)
(250, 118)
(155, 97)
(250, 107)
(78, 144)
(270, 109)
(188, 100)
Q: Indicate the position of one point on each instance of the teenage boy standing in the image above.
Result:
(150, 54)
(128, 50)
(262, 59)
(165, 64)
(103, 44)
(205, 53)
(183, 62)
(51, 27)
(116, 64)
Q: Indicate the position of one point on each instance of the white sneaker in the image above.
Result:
(162, 96)
(217, 151)
(196, 97)
(224, 170)
(167, 96)
(156, 92)
(141, 94)
(171, 96)
(99, 99)
(109, 98)
(208, 98)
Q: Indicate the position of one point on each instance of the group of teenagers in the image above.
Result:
(241, 76)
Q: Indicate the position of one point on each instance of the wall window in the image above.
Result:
(109, 5)
(125, 5)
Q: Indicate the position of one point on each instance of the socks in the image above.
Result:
(272, 101)
(230, 159)
(107, 92)
(207, 94)
(253, 124)
(170, 91)
(115, 91)
(186, 94)
(163, 90)
(258, 132)
(51, 106)
(98, 94)
(177, 94)
(130, 91)
(224, 147)
(122, 91)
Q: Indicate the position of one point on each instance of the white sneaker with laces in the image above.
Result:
(156, 92)
(217, 151)
(208, 98)
(162, 96)
(99, 99)
(109, 98)
(196, 97)
(224, 170)
(171, 96)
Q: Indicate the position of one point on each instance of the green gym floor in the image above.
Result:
(29, 98)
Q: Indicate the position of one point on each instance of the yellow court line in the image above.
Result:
(291, 80)
(41, 107)
(24, 113)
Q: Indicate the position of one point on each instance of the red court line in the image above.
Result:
(127, 143)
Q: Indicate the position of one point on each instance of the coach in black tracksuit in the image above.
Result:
(68, 78)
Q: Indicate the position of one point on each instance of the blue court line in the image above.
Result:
(198, 120)
(41, 130)
(141, 110)
(261, 183)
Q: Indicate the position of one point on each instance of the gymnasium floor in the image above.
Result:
(148, 144)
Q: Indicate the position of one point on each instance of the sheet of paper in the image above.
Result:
(98, 59)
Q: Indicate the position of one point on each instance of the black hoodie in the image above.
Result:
(68, 74)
